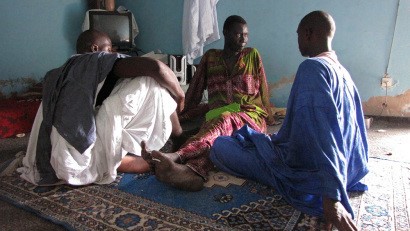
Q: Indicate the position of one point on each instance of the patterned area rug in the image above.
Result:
(140, 202)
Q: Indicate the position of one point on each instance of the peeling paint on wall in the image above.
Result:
(279, 91)
(12, 87)
(390, 106)
(282, 82)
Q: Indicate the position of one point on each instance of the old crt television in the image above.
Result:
(118, 26)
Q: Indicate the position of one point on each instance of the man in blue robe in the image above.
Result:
(321, 150)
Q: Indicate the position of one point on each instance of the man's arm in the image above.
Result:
(142, 66)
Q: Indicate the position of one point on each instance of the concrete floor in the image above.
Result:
(389, 138)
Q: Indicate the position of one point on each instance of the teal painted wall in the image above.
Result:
(36, 36)
(371, 39)
(367, 40)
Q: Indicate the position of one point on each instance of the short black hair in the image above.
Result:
(231, 20)
(87, 38)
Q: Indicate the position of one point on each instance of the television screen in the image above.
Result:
(117, 25)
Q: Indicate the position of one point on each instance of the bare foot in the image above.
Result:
(133, 164)
(146, 155)
(176, 175)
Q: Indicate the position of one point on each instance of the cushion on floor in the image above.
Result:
(17, 116)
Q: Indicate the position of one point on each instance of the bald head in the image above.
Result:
(315, 33)
(92, 41)
(320, 22)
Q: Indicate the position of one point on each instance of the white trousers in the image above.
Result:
(138, 109)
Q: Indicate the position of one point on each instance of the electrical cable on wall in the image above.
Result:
(384, 104)
(391, 44)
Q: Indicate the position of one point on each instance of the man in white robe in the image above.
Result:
(77, 140)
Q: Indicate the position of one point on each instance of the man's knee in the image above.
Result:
(220, 149)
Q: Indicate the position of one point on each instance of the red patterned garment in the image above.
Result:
(17, 116)
(245, 84)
